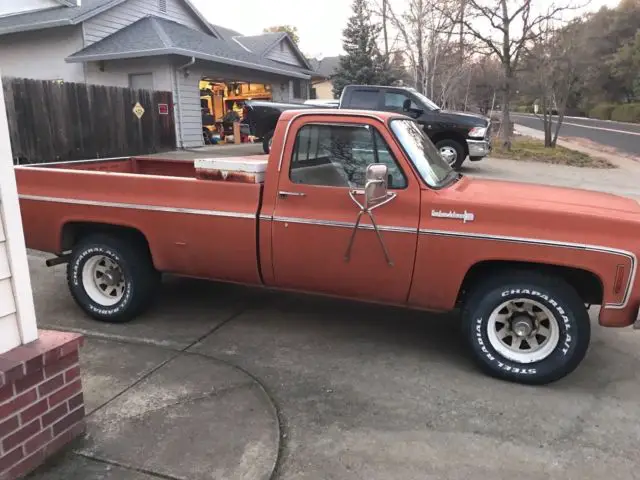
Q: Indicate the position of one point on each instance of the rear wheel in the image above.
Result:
(111, 279)
(452, 152)
(527, 328)
(267, 141)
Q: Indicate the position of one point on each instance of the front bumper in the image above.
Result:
(478, 148)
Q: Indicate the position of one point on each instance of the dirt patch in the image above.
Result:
(532, 149)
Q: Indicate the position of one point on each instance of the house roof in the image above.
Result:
(153, 36)
(260, 44)
(327, 66)
(264, 43)
(226, 33)
(69, 15)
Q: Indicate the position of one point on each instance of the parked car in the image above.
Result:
(362, 206)
(457, 135)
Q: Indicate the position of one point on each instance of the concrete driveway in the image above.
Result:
(221, 381)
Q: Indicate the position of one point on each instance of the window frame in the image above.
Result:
(367, 126)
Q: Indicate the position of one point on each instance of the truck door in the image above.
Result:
(322, 171)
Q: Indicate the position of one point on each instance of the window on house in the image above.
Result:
(338, 156)
(162, 5)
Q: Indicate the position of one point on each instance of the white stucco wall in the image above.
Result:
(17, 312)
(40, 54)
(116, 73)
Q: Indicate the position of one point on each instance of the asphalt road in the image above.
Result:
(625, 137)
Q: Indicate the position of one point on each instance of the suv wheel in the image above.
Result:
(267, 141)
(527, 328)
(452, 152)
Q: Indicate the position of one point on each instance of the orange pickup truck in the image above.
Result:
(351, 204)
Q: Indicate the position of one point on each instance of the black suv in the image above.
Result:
(455, 134)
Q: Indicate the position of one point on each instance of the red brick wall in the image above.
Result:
(41, 402)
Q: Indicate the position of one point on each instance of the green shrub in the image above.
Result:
(629, 112)
(602, 111)
(524, 109)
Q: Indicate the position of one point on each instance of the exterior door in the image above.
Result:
(315, 214)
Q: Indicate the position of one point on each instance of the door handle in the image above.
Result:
(291, 194)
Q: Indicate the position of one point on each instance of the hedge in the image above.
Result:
(602, 111)
(629, 112)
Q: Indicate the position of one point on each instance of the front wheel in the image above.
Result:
(111, 279)
(527, 328)
(267, 142)
(452, 152)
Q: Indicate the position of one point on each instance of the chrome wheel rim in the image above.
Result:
(523, 330)
(449, 154)
(103, 280)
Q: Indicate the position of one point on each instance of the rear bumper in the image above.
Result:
(478, 148)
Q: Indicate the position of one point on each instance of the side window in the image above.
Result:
(367, 99)
(395, 101)
(338, 156)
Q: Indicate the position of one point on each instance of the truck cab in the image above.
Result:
(457, 135)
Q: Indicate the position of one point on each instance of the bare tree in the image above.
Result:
(554, 64)
(506, 28)
(426, 35)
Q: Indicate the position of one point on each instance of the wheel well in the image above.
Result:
(586, 283)
(73, 232)
(452, 136)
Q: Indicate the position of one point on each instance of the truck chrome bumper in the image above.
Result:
(478, 148)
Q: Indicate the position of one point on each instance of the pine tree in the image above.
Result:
(363, 63)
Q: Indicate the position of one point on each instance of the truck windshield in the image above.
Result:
(431, 166)
(427, 101)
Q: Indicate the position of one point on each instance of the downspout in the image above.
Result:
(179, 99)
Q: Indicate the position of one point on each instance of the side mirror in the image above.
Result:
(376, 184)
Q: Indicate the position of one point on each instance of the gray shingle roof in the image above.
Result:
(152, 36)
(53, 17)
(259, 44)
(327, 66)
(226, 33)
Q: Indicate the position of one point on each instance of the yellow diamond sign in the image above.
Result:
(138, 110)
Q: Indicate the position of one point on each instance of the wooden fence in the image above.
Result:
(52, 121)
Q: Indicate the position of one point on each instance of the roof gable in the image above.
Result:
(63, 16)
(265, 43)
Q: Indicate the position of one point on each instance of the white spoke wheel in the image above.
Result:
(526, 327)
(103, 280)
(112, 277)
(523, 330)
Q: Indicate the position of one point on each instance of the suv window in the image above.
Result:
(338, 156)
(364, 99)
(394, 101)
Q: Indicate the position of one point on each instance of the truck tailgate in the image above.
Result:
(194, 227)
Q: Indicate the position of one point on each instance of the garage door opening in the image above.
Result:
(222, 103)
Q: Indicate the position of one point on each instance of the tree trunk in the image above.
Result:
(384, 29)
(506, 114)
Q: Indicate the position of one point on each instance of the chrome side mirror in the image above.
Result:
(376, 185)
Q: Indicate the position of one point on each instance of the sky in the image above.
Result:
(320, 22)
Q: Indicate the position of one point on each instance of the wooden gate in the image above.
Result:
(53, 121)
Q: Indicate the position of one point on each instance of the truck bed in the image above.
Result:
(195, 227)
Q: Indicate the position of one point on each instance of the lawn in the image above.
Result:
(532, 149)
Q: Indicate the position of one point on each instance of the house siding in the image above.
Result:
(114, 19)
(10, 337)
(13, 7)
(116, 73)
(186, 98)
(283, 53)
(40, 54)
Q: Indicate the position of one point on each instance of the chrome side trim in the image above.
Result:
(331, 223)
(329, 112)
(134, 206)
(558, 244)
(43, 166)
(266, 218)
